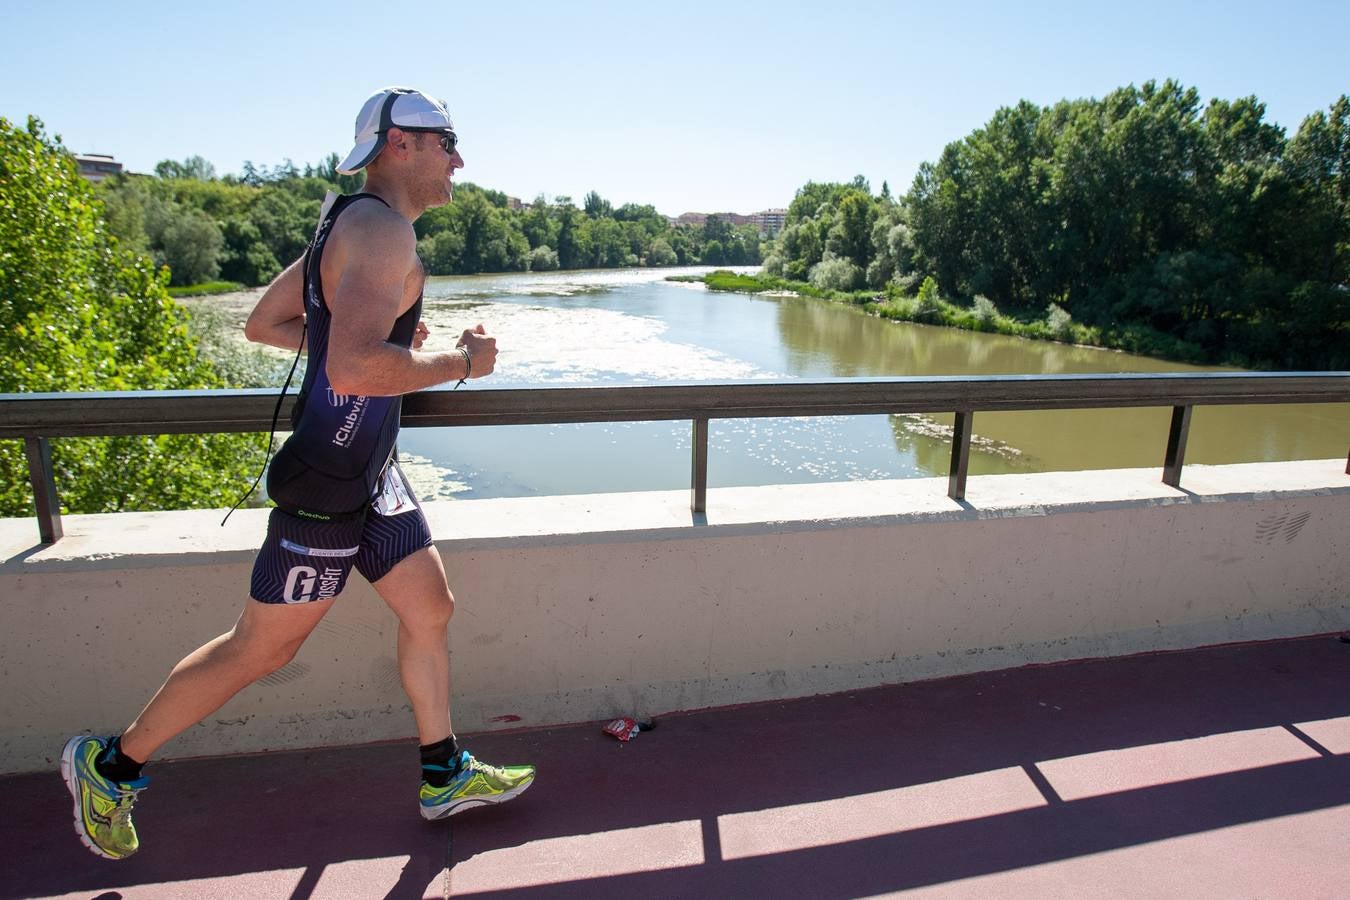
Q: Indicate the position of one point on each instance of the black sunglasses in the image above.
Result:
(447, 137)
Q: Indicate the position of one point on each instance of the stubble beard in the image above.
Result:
(431, 195)
(440, 194)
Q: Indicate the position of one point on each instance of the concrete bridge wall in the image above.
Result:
(580, 608)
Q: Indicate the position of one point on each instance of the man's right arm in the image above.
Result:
(376, 256)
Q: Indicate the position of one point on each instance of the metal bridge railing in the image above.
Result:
(36, 418)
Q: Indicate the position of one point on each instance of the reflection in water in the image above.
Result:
(632, 327)
(845, 341)
(866, 345)
(929, 441)
(851, 342)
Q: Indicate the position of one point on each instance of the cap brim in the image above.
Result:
(361, 155)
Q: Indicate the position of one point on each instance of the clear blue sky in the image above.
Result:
(688, 106)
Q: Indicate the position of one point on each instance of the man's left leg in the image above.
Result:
(453, 780)
(416, 590)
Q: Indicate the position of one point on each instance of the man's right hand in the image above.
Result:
(482, 350)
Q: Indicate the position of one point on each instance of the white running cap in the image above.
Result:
(387, 107)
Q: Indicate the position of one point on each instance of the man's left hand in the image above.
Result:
(420, 335)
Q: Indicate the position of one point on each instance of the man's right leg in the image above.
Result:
(263, 640)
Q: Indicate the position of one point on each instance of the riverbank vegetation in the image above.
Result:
(206, 288)
(80, 312)
(245, 228)
(928, 307)
(1145, 221)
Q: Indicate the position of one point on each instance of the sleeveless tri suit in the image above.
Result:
(342, 500)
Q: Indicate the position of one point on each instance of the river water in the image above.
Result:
(633, 327)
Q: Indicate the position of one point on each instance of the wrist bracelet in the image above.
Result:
(468, 363)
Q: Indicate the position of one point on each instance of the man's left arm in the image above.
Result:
(279, 317)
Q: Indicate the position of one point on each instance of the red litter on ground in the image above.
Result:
(625, 729)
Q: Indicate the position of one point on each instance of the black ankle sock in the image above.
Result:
(440, 761)
(115, 765)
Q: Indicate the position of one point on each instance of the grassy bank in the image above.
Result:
(208, 287)
(982, 315)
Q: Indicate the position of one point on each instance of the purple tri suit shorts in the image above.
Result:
(304, 560)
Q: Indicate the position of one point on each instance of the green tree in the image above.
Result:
(326, 171)
(892, 248)
(493, 240)
(79, 313)
(164, 217)
(193, 167)
(660, 254)
(684, 246)
(185, 240)
(609, 247)
(597, 207)
(251, 175)
(247, 259)
(192, 245)
(1318, 163)
(851, 235)
(1144, 213)
(124, 212)
(442, 252)
(1243, 188)
(717, 228)
(1316, 315)
(652, 222)
(802, 244)
(835, 273)
(928, 306)
(285, 221)
(574, 242)
(543, 259)
(813, 197)
(539, 228)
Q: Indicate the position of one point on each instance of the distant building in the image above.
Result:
(514, 203)
(97, 166)
(769, 221)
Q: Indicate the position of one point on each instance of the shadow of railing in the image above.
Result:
(305, 814)
(796, 754)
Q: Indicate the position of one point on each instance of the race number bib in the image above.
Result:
(394, 498)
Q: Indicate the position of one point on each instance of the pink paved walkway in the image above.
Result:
(1212, 773)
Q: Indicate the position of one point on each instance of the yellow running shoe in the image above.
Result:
(474, 784)
(102, 807)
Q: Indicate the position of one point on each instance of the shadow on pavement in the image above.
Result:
(343, 820)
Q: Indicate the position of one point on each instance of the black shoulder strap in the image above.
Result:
(331, 207)
(276, 413)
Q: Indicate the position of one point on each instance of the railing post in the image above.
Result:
(1176, 445)
(39, 451)
(698, 500)
(956, 479)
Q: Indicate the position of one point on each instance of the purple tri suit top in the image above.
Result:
(331, 466)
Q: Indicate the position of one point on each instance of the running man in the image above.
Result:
(342, 502)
